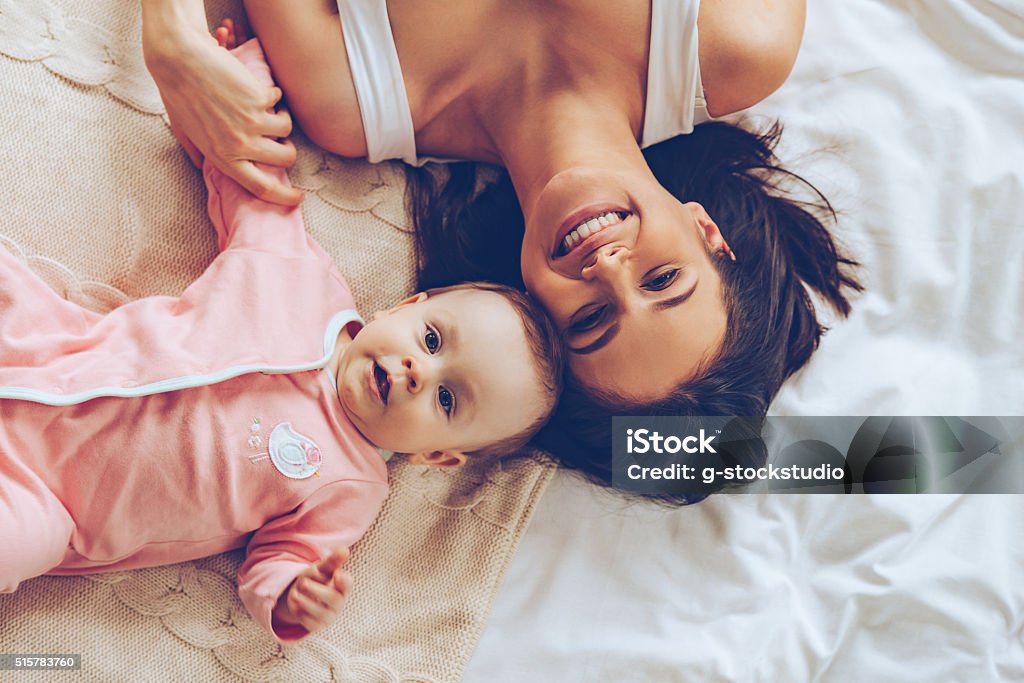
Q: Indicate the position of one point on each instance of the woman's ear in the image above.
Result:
(416, 298)
(709, 229)
(438, 458)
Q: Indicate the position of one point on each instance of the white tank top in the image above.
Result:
(377, 76)
(675, 96)
(674, 104)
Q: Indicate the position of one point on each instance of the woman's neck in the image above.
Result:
(555, 98)
(570, 130)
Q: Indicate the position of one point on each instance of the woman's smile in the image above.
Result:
(623, 234)
(581, 225)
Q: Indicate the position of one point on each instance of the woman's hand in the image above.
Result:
(216, 106)
(314, 599)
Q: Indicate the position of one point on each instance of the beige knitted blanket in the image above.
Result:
(100, 201)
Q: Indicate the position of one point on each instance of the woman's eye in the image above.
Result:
(445, 398)
(432, 340)
(661, 280)
(588, 319)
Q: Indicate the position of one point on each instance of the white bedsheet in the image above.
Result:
(920, 106)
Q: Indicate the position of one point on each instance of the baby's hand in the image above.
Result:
(314, 598)
(228, 35)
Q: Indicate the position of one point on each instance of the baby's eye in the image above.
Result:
(432, 340)
(446, 399)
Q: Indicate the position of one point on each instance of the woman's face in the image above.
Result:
(634, 290)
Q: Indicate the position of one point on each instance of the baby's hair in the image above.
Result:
(548, 353)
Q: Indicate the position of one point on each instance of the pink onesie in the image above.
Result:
(178, 427)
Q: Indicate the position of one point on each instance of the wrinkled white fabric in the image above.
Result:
(918, 108)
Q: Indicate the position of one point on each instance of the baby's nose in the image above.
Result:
(416, 374)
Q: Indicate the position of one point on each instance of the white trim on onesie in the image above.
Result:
(337, 322)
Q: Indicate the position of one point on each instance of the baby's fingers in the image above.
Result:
(326, 594)
(332, 563)
(342, 582)
(220, 34)
(312, 614)
(226, 34)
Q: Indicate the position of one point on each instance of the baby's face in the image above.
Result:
(450, 372)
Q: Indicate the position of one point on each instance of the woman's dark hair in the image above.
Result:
(783, 247)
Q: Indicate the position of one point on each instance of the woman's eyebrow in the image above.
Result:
(613, 330)
(598, 343)
(676, 300)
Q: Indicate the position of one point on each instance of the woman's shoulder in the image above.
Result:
(305, 46)
(747, 49)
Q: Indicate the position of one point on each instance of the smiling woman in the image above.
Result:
(665, 311)
(630, 289)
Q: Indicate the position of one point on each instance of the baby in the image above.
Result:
(249, 411)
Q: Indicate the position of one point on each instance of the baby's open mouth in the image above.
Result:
(380, 375)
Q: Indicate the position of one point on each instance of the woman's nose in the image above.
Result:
(606, 262)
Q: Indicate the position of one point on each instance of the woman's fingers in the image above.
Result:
(279, 124)
(274, 95)
(262, 185)
(220, 107)
(275, 153)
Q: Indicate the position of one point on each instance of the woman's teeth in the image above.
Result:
(589, 227)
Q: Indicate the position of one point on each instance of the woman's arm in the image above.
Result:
(215, 105)
(747, 49)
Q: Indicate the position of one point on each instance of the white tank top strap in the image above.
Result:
(700, 103)
(675, 96)
(377, 76)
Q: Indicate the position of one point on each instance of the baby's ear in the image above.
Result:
(414, 299)
(438, 458)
